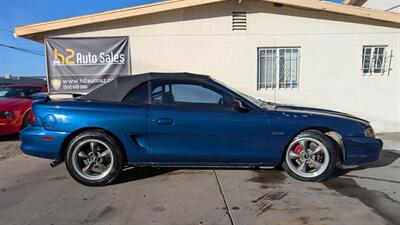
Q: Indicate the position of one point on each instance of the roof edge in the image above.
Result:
(349, 10)
(32, 31)
(354, 2)
(42, 27)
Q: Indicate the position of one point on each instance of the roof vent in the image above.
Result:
(239, 21)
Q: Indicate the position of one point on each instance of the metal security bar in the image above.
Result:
(278, 68)
(375, 60)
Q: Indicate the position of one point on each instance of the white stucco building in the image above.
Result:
(305, 52)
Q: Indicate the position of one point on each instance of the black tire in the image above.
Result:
(25, 122)
(99, 135)
(330, 147)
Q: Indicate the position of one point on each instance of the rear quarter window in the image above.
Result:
(138, 95)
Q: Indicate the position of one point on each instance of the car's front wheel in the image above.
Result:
(25, 121)
(311, 156)
(93, 158)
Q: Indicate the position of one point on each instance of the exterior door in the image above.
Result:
(191, 122)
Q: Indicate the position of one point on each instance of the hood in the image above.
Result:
(13, 102)
(316, 111)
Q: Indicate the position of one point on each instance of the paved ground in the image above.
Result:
(33, 193)
(392, 140)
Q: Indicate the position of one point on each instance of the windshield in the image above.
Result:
(258, 102)
(18, 91)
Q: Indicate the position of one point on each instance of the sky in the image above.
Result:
(22, 12)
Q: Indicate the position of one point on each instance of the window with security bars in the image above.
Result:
(278, 68)
(374, 60)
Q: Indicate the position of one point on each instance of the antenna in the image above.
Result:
(277, 71)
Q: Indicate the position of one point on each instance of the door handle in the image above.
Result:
(165, 121)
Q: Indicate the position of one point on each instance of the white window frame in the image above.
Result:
(373, 60)
(278, 82)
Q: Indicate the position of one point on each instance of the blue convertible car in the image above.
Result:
(188, 120)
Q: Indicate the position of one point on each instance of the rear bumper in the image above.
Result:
(37, 141)
(361, 150)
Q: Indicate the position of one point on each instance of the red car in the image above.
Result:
(15, 106)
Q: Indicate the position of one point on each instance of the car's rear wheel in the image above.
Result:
(311, 156)
(93, 158)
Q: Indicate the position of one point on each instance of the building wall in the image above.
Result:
(385, 5)
(201, 40)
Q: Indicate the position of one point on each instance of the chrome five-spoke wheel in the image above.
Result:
(311, 156)
(92, 159)
(307, 157)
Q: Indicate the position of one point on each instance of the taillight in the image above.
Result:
(32, 118)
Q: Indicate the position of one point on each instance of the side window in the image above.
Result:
(34, 90)
(138, 95)
(188, 93)
(28, 91)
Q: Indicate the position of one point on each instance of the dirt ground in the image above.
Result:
(9, 147)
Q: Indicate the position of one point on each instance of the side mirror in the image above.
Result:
(238, 106)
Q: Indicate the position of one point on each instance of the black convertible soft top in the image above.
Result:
(117, 89)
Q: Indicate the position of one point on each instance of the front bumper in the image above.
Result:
(37, 141)
(9, 127)
(361, 150)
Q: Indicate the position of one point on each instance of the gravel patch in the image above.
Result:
(9, 147)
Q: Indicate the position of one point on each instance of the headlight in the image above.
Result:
(369, 132)
(6, 115)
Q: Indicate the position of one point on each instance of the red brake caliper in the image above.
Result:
(297, 149)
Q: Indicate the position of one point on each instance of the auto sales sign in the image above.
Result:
(79, 65)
